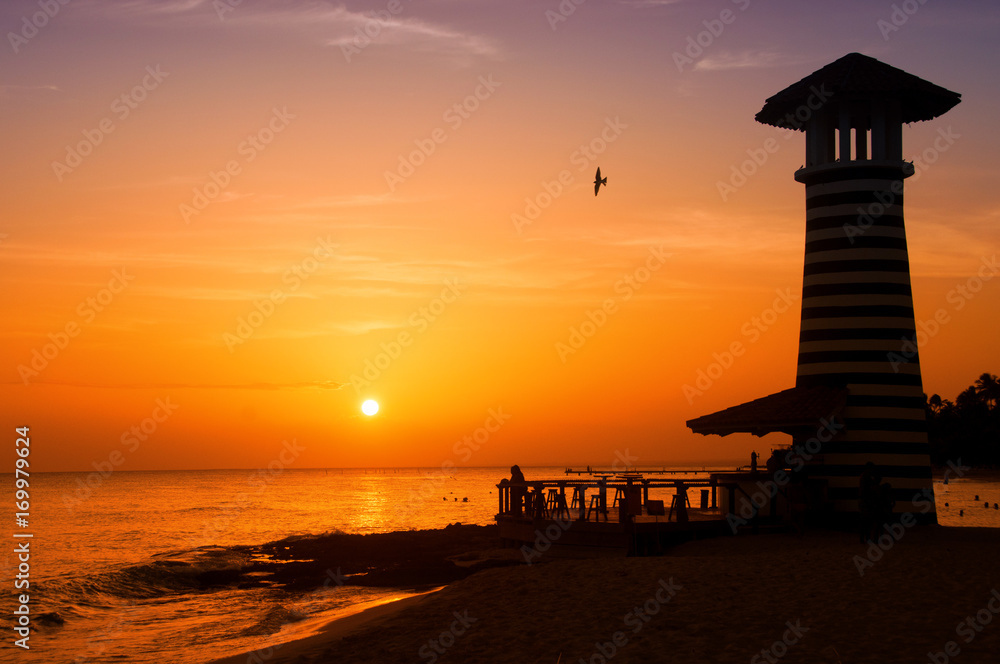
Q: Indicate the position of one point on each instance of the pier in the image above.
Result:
(624, 511)
(611, 473)
(640, 515)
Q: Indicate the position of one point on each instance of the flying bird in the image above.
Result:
(599, 181)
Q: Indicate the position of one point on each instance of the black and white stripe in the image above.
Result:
(857, 315)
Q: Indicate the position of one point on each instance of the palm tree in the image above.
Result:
(988, 389)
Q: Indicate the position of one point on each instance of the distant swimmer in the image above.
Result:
(599, 181)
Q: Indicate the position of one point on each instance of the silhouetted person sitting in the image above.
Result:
(518, 490)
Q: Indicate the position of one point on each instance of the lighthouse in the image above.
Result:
(858, 364)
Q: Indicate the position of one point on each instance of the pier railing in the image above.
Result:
(551, 498)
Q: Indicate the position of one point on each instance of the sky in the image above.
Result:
(227, 224)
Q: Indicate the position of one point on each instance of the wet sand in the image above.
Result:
(821, 597)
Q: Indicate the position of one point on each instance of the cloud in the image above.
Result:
(358, 27)
(11, 91)
(350, 200)
(329, 25)
(311, 384)
(648, 3)
(744, 60)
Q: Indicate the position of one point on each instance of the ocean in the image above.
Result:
(114, 559)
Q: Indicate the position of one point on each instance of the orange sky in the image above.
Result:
(287, 124)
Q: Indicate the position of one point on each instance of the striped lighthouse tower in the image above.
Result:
(858, 329)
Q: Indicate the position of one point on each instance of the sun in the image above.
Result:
(369, 407)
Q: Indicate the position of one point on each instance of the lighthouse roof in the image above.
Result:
(859, 76)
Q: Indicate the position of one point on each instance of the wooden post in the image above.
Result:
(504, 496)
(844, 137)
(623, 504)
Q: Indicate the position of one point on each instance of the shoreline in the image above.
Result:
(723, 599)
(417, 563)
(328, 633)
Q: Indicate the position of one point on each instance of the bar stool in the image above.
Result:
(552, 500)
(560, 506)
(539, 510)
(619, 494)
(595, 504)
(674, 505)
(577, 497)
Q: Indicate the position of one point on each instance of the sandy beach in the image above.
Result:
(821, 597)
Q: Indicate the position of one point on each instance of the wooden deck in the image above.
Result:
(629, 514)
